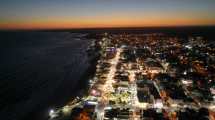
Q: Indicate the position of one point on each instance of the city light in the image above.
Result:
(186, 82)
(185, 73)
(188, 46)
(174, 105)
(158, 104)
(66, 109)
(52, 114)
(92, 103)
(108, 108)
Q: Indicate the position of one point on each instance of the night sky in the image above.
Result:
(42, 14)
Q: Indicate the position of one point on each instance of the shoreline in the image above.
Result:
(81, 91)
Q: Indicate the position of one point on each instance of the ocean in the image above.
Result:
(39, 71)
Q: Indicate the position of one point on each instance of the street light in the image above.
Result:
(66, 109)
(185, 73)
(52, 114)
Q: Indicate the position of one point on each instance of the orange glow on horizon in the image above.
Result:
(107, 22)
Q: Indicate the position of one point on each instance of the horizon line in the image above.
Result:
(95, 28)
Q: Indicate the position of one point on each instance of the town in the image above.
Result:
(147, 77)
